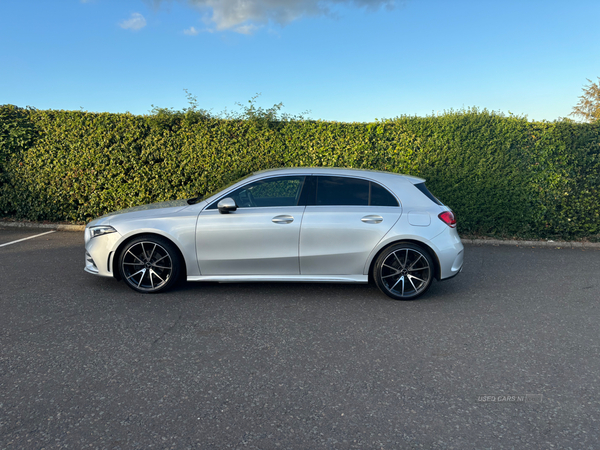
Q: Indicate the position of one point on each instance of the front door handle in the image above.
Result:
(283, 219)
(372, 219)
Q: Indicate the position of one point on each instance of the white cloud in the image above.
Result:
(191, 31)
(248, 28)
(135, 22)
(245, 16)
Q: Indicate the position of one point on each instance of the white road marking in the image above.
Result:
(30, 237)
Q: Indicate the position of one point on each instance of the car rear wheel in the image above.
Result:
(149, 264)
(403, 271)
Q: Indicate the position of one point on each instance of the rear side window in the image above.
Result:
(380, 196)
(342, 191)
(429, 195)
(345, 191)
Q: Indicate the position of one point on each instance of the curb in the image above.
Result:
(492, 242)
(50, 226)
(548, 244)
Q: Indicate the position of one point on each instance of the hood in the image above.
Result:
(159, 205)
(107, 218)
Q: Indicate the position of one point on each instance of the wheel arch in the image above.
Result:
(117, 253)
(432, 253)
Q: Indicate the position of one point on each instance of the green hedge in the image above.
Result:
(503, 176)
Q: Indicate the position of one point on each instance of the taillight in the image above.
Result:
(448, 218)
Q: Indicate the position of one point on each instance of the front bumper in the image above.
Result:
(99, 253)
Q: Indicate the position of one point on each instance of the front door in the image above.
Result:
(260, 237)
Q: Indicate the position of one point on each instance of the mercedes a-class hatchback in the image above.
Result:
(297, 224)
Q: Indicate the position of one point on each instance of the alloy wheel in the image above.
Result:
(147, 266)
(404, 272)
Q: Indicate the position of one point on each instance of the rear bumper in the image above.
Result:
(450, 253)
(452, 276)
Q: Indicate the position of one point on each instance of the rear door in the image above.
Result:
(345, 220)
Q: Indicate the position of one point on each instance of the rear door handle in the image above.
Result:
(283, 219)
(372, 219)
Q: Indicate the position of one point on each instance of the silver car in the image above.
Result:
(297, 224)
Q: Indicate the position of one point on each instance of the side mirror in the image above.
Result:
(226, 205)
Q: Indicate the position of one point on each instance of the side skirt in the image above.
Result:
(283, 278)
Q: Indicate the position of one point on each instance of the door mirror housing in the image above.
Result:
(227, 205)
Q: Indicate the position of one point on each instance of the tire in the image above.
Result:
(150, 264)
(403, 271)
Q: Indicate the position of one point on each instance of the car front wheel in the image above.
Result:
(403, 271)
(149, 264)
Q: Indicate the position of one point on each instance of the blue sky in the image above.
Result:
(342, 60)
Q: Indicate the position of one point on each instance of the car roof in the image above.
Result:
(376, 174)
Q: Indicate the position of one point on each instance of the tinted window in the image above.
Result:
(342, 191)
(352, 191)
(424, 190)
(280, 191)
(380, 196)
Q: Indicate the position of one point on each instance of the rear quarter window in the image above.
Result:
(429, 195)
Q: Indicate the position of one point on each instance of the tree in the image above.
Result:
(588, 108)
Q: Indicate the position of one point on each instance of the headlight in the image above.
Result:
(100, 230)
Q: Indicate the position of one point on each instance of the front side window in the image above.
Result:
(280, 191)
(345, 191)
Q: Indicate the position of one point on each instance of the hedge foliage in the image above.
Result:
(503, 176)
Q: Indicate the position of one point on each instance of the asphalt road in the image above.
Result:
(86, 362)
